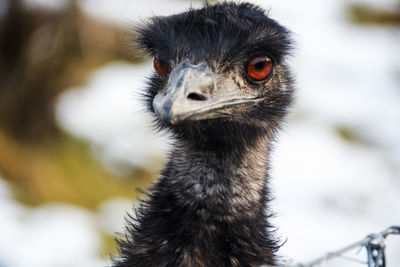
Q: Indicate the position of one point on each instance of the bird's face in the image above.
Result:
(220, 66)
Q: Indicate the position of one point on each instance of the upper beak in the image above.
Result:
(192, 94)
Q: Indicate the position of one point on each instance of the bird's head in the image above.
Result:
(220, 72)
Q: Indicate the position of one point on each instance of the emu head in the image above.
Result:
(220, 74)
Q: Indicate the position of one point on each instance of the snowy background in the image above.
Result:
(336, 166)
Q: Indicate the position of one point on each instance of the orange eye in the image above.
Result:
(259, 67)
(160, 66)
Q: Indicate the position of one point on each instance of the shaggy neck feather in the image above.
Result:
(208, 209)
(227, 182)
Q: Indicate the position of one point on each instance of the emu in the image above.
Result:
(222, 88)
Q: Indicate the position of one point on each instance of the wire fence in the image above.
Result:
(375, 251)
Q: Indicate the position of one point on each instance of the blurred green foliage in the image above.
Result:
(63, 171)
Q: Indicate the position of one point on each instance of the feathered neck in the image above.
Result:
(208, 209)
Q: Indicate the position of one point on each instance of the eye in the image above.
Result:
(160, 66)
(259, 67)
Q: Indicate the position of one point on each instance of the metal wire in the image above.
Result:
(374, 244)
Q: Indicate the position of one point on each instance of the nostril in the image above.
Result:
(197, 97)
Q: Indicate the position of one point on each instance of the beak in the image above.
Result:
(192, 93)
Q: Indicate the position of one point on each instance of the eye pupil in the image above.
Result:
(259, 67)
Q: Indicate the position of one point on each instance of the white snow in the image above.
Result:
(51, 235)
(329, 193)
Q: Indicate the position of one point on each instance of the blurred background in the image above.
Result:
(77, 149)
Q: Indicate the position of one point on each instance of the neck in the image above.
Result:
(227, 183)
(208, 209)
